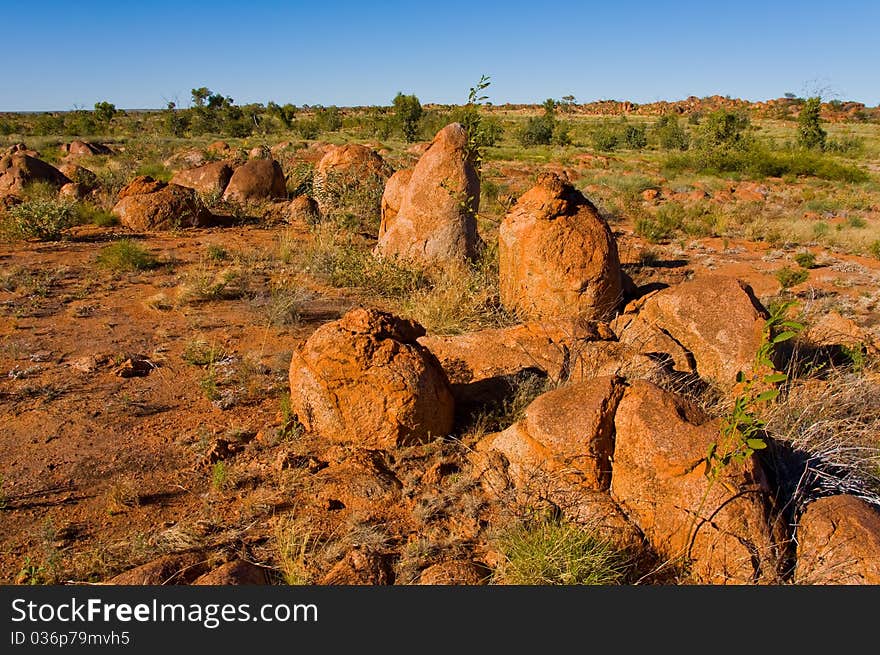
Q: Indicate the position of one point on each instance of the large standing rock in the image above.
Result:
(256, 180)
(344, 167)
(161, 207)
(715, 318)
(436, 222)
(365, 378)
(392, 197)
(557, 255)
(19, 170)
(839, 542)
(210, 179)
(722, 528)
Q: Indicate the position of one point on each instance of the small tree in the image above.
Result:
(670, 133)
(200, 95)
(408, 113)
(810, 132)
(284, 113)
(105, 111)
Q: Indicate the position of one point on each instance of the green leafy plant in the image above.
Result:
(805, 259)
(220, 479)
(789, 277)
(408, 112)
(41, 219)
(743, 428)
(810, 132)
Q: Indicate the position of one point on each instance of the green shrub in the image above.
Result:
(307, 128)
(538, 131)
(810, 132)
(557, 552)
(605, 138)
(805, 259)
(874, 248)
(42, 219)
(670, 134)
(157, 171)
(635, 137)
(407, 113)
(126, 255)
(90, 214)
(789, 277)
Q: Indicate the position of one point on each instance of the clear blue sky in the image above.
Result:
(64, 54)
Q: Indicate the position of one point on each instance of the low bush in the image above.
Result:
(41, 219)
(126, 255)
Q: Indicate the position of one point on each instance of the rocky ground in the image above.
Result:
(237, 410)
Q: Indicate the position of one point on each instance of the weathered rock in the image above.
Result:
(455, 572)
(85, 149)
(485, 366)
(302, 209)
(18, 170)
(557, 255)
(73, 191)
(260, 152)
(168, 570)
(167, 207)
(80, 175)
(392, 197)
(365, 378)
(567, 430)
(256, 180)
(436, 222)
(360, 482)
(280, 148)
(140, 185)
(714, 318)
(236, 572)
(722, 528)
(834, 330)
(839, 542)
(360, 566)
(192, 158)
(218, 148)
(210, 179)
(344, 167)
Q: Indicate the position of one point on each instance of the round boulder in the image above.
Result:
(365, 379)
(256, 180)
(557, 255)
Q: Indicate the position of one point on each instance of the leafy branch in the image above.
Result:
(743, 429)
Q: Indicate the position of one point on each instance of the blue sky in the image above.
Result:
(62, 55)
